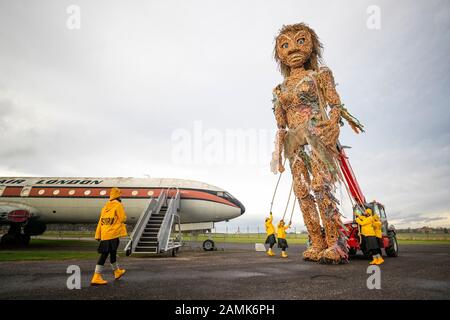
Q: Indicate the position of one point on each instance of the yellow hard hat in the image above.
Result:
(114, 194)
(369, 211)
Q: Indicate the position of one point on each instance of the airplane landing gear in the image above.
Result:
(15, 236)
(208, 245)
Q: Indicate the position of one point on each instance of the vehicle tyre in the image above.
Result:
(8, 239)
(392, 250)
(24, 239)
(208, 245)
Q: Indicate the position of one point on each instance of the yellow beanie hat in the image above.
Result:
(114, 194)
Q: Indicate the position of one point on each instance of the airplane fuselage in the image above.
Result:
(80, 200)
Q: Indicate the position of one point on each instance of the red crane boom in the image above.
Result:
(350, 178)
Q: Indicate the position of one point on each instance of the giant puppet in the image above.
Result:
(309, 113)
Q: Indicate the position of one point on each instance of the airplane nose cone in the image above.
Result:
(242, 208)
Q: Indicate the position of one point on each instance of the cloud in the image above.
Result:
(17, 130)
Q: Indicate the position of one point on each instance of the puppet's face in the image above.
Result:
(294, 48)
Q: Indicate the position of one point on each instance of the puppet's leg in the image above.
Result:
(308, 207)
(329, 213)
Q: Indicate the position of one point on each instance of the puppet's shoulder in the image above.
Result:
(325, 75)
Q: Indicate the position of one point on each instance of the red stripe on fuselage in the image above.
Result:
(96, 192)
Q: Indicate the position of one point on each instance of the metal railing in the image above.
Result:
(165, 242)
(153, 206)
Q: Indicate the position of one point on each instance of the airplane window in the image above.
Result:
(56, 192)
(25, 192)
(103, 192)
(87, 192)
(134, 193)
(41, 192)
(220, 194)
(150, 193)
(71, 192)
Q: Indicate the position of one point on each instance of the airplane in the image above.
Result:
(28, 204)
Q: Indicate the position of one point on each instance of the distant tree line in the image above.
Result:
(424, 230)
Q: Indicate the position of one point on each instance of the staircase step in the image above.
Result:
(148, 244)
(148, 241)
(145, 250)
(150, 248)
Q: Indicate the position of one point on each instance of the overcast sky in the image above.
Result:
(143, 82)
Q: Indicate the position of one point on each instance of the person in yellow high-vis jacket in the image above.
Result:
(270, 230)
(378, 233)
(281, 234)
(369, 240)
(111, 226)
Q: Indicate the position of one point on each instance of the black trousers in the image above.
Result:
(112, 257)
(271, 240)
(380, 245)
(371, 245)
(108, 247)
(282, 243)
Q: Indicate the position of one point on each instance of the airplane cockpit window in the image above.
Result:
(229, 196)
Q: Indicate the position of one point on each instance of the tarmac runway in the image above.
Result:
(237, 271)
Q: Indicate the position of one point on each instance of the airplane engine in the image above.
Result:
(34, 227)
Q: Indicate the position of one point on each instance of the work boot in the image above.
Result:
(97, 280)
(118, 273)
(284, 254)
(270, 252)
(379, 261)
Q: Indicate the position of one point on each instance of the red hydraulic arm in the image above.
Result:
(350, 178)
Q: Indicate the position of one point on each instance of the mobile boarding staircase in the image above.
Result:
(154, 232)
